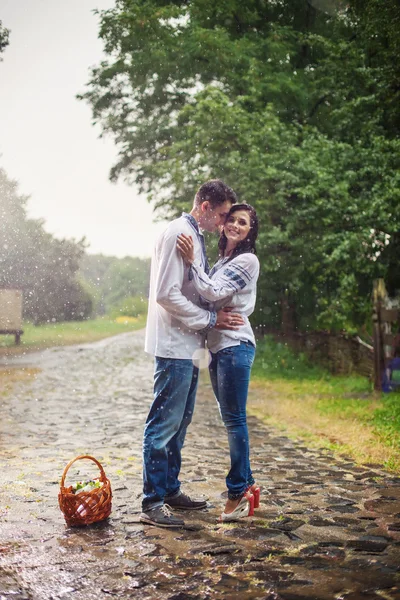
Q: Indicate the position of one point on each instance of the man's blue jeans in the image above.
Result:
(230, 374)
(175, 385)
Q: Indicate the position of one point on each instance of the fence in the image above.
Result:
(344, 354)
(339, 353)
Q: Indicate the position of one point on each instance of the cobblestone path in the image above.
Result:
(326, 528)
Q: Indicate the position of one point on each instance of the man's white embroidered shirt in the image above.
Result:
(176, 322)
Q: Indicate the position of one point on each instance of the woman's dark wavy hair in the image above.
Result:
(249, 243)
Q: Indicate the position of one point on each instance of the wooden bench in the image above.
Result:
(15, 332)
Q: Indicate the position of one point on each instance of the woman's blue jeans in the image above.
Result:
(175, 385)
(230, 374)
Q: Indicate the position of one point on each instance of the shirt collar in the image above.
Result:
(193, 222)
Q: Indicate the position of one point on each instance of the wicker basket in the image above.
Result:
(86, 507)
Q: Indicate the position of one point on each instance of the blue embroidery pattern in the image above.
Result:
(235, 277)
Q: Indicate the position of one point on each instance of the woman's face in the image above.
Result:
(237, 226)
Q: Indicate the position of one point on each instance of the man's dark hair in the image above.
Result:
(247, 245)
(216, 192)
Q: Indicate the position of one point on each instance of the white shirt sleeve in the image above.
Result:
(171, 272)
(231, 278)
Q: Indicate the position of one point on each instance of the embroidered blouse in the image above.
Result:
(230, 283)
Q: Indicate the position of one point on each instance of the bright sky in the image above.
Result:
(47, 141)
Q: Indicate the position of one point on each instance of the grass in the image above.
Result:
(71, 332)
(9, 377)
(340, 413)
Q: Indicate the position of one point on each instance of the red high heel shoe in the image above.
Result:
(255, 490)
(252, 501)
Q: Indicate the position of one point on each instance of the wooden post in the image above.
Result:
(377, 349)
(378, 294)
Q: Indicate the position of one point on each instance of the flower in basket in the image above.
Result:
(86, 486)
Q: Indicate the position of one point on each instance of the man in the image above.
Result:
(176, 328)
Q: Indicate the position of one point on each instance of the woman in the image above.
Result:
(232, 282)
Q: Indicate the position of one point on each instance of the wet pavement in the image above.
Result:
(326, 528)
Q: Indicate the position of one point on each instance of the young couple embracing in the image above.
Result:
(190, 306)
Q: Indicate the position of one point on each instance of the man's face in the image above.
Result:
(212, 218)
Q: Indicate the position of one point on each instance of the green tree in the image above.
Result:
(132, 306)
(112, 280)
(379, 33)
(42, 266)
(287, 103)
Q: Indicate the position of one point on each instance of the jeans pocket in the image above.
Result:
(250, 353)
(227, 351)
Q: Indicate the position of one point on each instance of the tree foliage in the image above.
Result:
(43, 267)
(112, 280)
(296, 108)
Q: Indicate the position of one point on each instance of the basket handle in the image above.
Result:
(71, 462)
